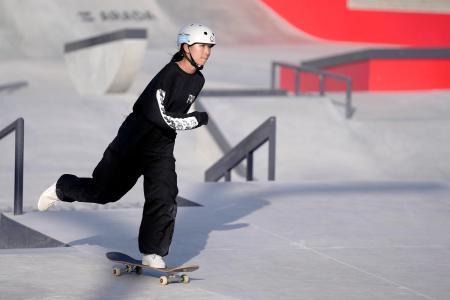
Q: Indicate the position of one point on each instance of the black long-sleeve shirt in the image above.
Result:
(168, 97)
(159, 111)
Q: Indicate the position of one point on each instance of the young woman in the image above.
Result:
(144, 146)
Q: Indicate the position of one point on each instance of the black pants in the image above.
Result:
(114, 176)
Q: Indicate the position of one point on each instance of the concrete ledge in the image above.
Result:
(370, 54)
(106, 38)
(14, 235)
(13, 86)
(242, 93)
(107, 63)
(183, 202)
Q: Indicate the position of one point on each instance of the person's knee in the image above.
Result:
(107, 197)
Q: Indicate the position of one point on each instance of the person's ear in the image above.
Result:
(186, 48)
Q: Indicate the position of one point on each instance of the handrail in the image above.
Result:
(18, 126)
(322, 76)
(266, 132)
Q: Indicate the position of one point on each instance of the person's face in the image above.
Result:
(200, 52)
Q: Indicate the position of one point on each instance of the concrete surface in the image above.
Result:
(360, 210)
(316, 240)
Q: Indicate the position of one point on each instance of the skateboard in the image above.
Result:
(131, 265)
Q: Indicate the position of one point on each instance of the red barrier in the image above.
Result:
(378, 75)
(409, 74)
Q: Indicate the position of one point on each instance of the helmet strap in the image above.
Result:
(192, 61)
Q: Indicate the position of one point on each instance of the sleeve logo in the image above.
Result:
(190, 99)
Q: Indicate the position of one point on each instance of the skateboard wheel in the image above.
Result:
(138, 270)
(163, 280)
(116, 271)
(185, 278)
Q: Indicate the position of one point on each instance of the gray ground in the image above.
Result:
(321, 240)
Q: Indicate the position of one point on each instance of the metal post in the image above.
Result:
(18, 126)
(250, 166)
(297, 82)
(322, 84)
(18, 172)
(348, 102)
(272, 144)
(272, 76)
(228, 176)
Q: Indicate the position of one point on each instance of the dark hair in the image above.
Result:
(178, 56)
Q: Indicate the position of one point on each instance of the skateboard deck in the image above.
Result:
(130, 265)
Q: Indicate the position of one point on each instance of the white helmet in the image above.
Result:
(196, 33)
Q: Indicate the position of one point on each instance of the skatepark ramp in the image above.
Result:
(40, 29)
(391, 136)
(106, 63)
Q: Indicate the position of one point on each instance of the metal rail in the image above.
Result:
(136, 33)
(322, 76)
(18, 126)
(266, 132)
(11, 87)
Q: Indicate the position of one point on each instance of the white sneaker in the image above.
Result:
(154, 261)
(48, 198)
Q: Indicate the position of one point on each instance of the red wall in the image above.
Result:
(330, 19)
(378, 75)
(409, 74)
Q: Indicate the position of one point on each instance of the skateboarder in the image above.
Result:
(144, 146)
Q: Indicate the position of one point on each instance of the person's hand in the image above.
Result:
(202, 118)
